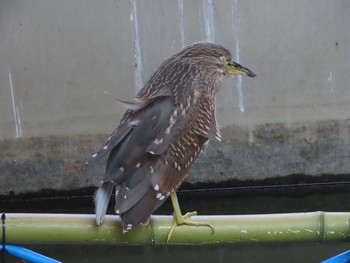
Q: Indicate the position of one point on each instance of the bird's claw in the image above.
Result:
(184, 220)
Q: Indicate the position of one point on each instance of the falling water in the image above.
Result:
(137, 49)
(236, 24)
(181, 14)
(15, 107)
(208, 20)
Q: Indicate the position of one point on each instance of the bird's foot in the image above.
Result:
(184, 220)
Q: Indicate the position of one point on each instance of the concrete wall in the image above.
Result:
(58, 57)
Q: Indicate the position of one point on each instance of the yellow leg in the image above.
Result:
(179, 219)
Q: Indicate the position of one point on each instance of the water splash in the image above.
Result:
(137, 49)
(181, 14)
(236, 24)
(208, 20)
(15, 107)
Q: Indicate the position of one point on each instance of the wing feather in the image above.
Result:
(130, 160)
(101, 199)
(129, 121)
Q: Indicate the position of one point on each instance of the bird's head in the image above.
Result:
(216, 59)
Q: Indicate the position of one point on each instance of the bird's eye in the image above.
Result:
(223, 59)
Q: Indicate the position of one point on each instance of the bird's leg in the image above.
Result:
(179, 219)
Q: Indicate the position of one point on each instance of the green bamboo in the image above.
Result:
(81, 229)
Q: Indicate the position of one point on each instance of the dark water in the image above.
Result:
(256, 200)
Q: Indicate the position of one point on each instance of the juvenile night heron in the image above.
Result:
(162, 133)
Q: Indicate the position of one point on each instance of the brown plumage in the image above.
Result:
(162, 132)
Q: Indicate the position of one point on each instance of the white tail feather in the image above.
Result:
(101, 199)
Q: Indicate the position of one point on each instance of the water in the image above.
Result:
(234, 201)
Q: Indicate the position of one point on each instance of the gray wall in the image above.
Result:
(58, 57)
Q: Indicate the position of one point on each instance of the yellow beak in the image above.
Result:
(237, 69)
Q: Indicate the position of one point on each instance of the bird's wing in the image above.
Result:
(128, 155)
(128, 123)
(114, 139)
(129, 162)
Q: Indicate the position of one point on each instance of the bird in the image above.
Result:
(161, 134)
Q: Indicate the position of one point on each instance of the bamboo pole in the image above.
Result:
(81, 229)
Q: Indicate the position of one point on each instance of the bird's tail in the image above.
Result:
(101, 199)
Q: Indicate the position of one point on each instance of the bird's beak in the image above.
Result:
(237, 69)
